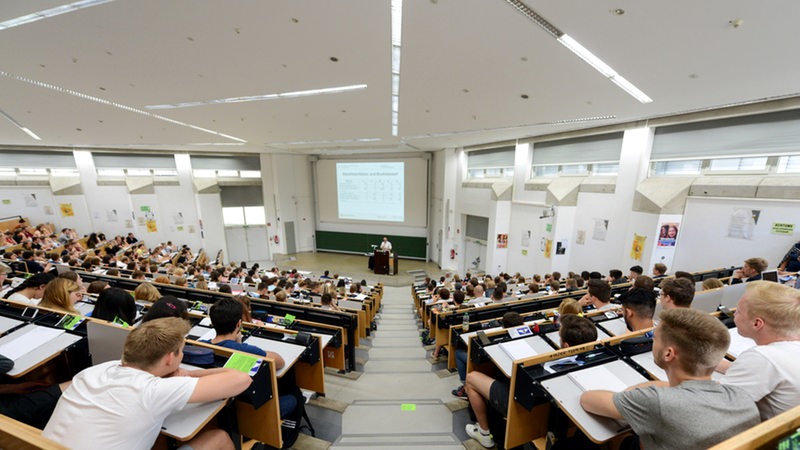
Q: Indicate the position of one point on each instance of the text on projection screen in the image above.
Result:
(371, 191)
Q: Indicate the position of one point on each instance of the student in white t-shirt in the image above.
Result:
(123, 404)
(769, 313)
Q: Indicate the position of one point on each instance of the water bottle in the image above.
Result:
(465, 323)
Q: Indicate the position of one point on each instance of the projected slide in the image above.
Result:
(371, 191)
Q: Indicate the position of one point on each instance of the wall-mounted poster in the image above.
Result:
(638, 246)
(668, 234)
(66, 210)
(548, 248)
(502, 241)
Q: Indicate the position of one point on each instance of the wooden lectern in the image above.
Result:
(381, 261)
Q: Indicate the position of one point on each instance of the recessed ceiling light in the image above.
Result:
(618, 11)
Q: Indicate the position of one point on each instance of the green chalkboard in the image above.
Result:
(404, 246)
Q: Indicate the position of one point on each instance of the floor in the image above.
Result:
(398, 398)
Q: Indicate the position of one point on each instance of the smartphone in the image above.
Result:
(724, 310)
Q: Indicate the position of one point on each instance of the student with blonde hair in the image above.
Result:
(147, 292)
(62, 294)
(768, 313)
(123, 404)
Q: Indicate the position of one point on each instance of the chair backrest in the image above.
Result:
(732, 293)
(106, 341)
(708, 301)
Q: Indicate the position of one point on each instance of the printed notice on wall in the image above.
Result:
(600, 229)
(742, 224)
(782, 228)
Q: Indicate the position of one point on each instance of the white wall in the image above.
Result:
(703, 241)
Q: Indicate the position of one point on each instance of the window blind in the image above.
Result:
(763, 134)
(477, 227)
(121, 161)
(495, 157)
(241, 196)
(226, 162)
(28, 159)
(586, 149)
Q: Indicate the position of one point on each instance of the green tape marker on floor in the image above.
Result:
(408, 407)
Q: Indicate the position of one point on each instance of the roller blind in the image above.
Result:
(495, 157)
(226, 162)
(241, 196)
(477, 227)
(588, 149)
(120, 161)
(763, 134)
(28, 159)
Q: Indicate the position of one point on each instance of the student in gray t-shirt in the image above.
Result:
(691, 410)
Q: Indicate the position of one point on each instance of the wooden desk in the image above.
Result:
(533, 345)
(7, 324)
(38, 352)
(567, 394)
(185, 423)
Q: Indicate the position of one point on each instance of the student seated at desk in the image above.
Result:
(115, 305)
(768, 313)
(598, 295)
(226, 317)
(31, 290)
(481, 388)
(638, 308)
(167, 306)
(691, 411)
(62, 294)
(29, 402)
(123, 404)
(677, 293)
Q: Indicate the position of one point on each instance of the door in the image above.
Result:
(288, 232)
(247, 243)
(236, 239)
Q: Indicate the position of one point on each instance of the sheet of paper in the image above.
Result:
(209, 335)
(739, 343)
(28, 341)
(518, 349)
(597, 378)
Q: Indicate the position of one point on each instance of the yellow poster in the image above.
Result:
(151, 226)
(548, 248)
(638, 246)
(66, 210)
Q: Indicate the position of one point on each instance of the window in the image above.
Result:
(250, 173)
(575, 169)
(111, 172)
(233, 215)
(243, 215)
(738, 164)
(228, 173)
(788, 164)
(605, 169)
(687, 167)
(554, 170)
(138, 172)
(205, 173)
(545, 171)
(254, 215)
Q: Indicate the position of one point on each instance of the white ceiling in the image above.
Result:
(465, 65)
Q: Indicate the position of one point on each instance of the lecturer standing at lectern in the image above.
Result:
(386, 246)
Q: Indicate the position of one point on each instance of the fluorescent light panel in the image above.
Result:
(52, 12)
(257, 98)
(115, 105)
(397, 38)
(26, 130)
(581, 51)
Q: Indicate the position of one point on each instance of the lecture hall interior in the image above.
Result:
(478, 136)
